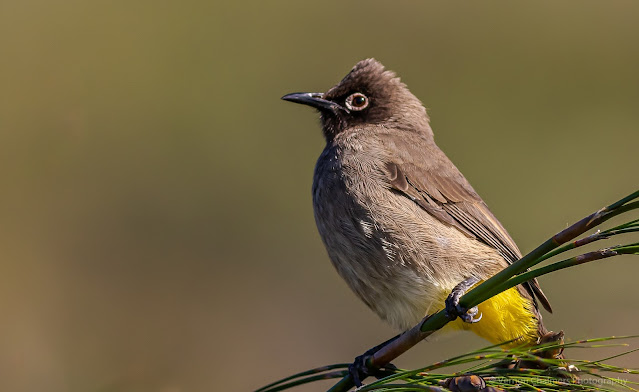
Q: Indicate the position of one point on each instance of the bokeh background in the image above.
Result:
(156, 223)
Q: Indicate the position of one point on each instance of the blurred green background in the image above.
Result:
(156, 222)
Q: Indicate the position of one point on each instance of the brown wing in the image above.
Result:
(436, 185)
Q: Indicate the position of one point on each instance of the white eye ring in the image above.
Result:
(356, 101)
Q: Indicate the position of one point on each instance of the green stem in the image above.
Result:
(571, 262)
(628, 227)
(526, 276)
(470, 299)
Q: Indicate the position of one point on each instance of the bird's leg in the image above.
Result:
(454, 309)
(359, 371)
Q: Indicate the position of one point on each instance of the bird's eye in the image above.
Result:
(356, 101)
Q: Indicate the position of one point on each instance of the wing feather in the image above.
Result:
(439, 188)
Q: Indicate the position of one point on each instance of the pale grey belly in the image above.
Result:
(397, 258)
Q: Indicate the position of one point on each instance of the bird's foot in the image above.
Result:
(556, 349)
(552, 348)
(360, 369)
(454, 309)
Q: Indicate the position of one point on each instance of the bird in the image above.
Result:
(400, 223)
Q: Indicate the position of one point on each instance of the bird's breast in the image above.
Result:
(398, 258)
(349, 197)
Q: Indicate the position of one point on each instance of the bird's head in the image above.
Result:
(369, 94)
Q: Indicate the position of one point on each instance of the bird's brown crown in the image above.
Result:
(370, 94)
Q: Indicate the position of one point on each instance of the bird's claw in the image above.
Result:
(359, 370)
(454, 309)
(467, 315)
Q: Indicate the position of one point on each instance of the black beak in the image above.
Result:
(312, 99)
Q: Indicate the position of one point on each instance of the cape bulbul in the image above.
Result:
(400, 223)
